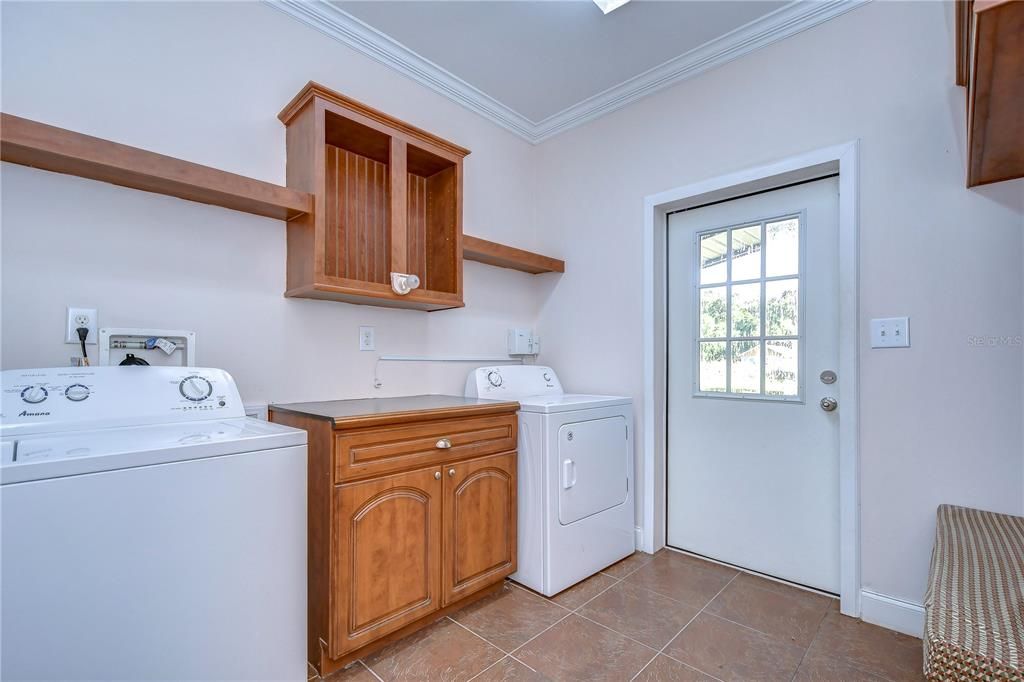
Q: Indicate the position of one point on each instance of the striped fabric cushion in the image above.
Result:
(974, 607)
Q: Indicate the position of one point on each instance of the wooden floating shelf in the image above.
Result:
(38, 145)
(30, 143)
(492, 253)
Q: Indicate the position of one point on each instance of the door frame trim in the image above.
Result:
(842, 159)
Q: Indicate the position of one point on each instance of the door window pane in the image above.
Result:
(711, 367)
(746, 253)
(713, 261)
(781, 363)
(746, 310)
(781, 307)
(782, 248)
(712, 312)
(746, 366)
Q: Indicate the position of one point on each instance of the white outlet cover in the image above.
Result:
(72, 325)
(367, 338)
(890, 332)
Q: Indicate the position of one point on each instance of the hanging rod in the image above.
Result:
(485, 359)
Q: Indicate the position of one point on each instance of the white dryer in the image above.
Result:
(575, 474)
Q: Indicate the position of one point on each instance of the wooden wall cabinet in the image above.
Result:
(387, 196)
(412, 513)
(990, 63)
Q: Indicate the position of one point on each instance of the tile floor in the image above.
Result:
(667, 617)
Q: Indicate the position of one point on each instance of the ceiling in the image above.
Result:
(540, 58)
(541, 67)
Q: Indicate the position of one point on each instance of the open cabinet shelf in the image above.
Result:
(392, 202)
(39, 145)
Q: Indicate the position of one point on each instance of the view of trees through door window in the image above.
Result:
(748, 294)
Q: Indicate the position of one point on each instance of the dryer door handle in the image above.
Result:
(568, 474)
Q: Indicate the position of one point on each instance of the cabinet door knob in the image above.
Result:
(451, 472)
(437, 475)
(444, 444)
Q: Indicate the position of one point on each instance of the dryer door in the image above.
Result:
(592, 461)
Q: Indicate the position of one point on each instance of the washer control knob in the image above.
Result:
(547, 376)
(195, 388)
(76, 392)
(34, 394)
(494, 378)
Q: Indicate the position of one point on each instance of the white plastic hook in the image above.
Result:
(403, 283)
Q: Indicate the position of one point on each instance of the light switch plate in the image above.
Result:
(890, 332)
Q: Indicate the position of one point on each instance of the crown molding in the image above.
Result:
(784, 22)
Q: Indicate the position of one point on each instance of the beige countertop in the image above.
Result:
(341, 411)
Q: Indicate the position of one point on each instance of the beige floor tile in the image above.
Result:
(628, 565)
(664, 669)
(510, 617)
(818, 669)
(582, 592)
(775, 609)
(733, 652)
(639, 613)
(868, 647)
(683, 578)
(356, 672)
(509, 670)
(576, 649)
(442, 651)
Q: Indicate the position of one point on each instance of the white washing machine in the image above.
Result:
(575, 474)
(150, 530)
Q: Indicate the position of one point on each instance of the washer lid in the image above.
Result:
(44, 456)
(568, 402)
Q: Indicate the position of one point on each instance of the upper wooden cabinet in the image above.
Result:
(387, 198)
(990, 62)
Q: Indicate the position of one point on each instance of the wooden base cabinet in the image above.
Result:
(480, 524)
(391, 550)
(387, 556)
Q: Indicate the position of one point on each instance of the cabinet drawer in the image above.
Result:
(373, 451)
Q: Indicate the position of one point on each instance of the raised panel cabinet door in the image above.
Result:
(386, 556)
(480, 524)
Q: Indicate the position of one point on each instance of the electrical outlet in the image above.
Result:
(367, 340)
(82, 317)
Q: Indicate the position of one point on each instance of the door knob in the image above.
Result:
(437, 475)
(451, 472)
(444, 444)
(829, 404)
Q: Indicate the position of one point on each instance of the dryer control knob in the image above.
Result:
(494, 378)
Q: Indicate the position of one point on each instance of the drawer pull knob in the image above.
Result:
(451, 472)
(437, 475)
(444, 444)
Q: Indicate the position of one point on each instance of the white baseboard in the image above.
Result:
(889, 612)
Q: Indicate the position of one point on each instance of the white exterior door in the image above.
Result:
(753, 455)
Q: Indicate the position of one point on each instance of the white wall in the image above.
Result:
(941, 422)
(204, 82)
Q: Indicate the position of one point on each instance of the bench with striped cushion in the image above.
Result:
(974, 607)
